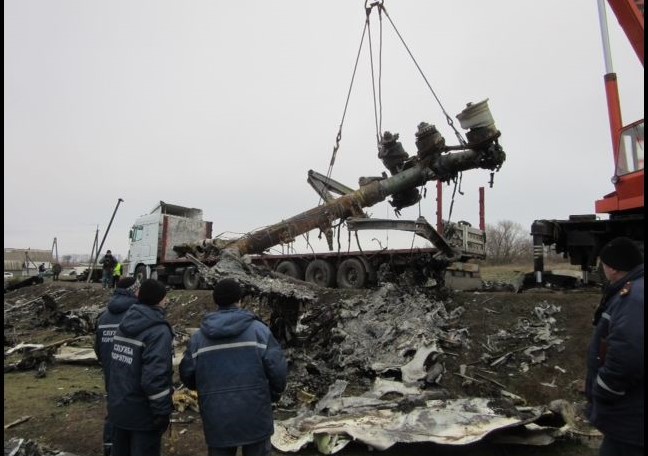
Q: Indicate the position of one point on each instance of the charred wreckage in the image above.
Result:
(434, 160)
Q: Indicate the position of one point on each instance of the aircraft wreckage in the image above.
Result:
(434, 160)
(367, 365)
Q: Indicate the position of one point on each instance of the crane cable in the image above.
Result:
(460, 138)
(338, 137)
(365, 31)
(377, 100)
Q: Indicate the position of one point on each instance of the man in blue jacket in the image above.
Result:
(238, 369)
(140, 386)
(615, 362)
(124, 296)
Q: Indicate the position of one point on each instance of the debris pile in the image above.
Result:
(364, 364)
(79, 396)
(22, 447)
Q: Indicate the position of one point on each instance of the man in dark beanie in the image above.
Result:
(238, 369)
(124, 296)
(615, 361)
(140, 385)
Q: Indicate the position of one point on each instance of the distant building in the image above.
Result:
(25, 262)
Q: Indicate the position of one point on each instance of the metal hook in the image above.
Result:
(369, 4)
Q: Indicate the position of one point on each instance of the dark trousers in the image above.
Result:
(136, 443)
(107, 279)
(611, 447)
(107, 437)
(262, 448)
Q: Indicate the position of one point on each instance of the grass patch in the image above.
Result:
(26, 395)
(510, 272)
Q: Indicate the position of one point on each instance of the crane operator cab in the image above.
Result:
(631, 149)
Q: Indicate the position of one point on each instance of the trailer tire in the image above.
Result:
(351, 274)
(291, 269)
(191, 278)
(140, 273)
(320, 273)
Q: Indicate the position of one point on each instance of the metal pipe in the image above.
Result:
(605, 36)
(482, 210)
(347, 205)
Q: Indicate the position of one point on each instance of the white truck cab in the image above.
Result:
(152, 238)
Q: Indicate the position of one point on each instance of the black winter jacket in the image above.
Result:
(238, 369)
(615, 362)
(140, 385)
(107, 325)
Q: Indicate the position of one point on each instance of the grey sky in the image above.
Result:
(225, 106)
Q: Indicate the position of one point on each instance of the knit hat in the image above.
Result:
(226, 292)
(621, 254)
(151, 292)
(126, 282)
(129, 284)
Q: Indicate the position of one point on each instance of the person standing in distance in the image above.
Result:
(117, 273)
(615, 361)
(140, 387)
(41, 271)
(108, 264)
(56, 270)
(239, 370)
(124, 296)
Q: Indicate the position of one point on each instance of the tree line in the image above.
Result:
(507, 242)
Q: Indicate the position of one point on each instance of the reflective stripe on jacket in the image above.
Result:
(238, 369)
(615, 362)
(107, 325)
(140, 384)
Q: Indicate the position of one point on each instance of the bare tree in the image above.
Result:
(508, 242)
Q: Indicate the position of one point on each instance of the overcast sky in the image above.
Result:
(225, 106)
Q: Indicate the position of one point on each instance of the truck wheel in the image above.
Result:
(291, 269)
(140, 273)
(191, 278)
(351, 274)
(320, 273)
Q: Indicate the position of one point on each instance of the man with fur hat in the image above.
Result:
(238, 369)
(615, 361)
(140, 385)
(124, 296)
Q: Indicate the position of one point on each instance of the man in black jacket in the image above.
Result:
(108, 263)
(140, 386)
(615, 361)
(238, 369)
(123, 298)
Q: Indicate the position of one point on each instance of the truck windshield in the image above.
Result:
(136, 233)
(631, 150)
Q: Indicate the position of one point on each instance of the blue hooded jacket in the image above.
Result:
(615, 362)
(141, 370)
(107, 325)
(238, 369)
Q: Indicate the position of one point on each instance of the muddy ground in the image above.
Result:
(498, 351)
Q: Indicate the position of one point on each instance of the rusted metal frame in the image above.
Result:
(323, 184)
(420, 227)
(441, 167)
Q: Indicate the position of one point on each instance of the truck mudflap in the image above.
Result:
(463, 276)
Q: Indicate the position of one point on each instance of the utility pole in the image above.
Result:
(94, 263)
(55, 249)
(95, 244)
